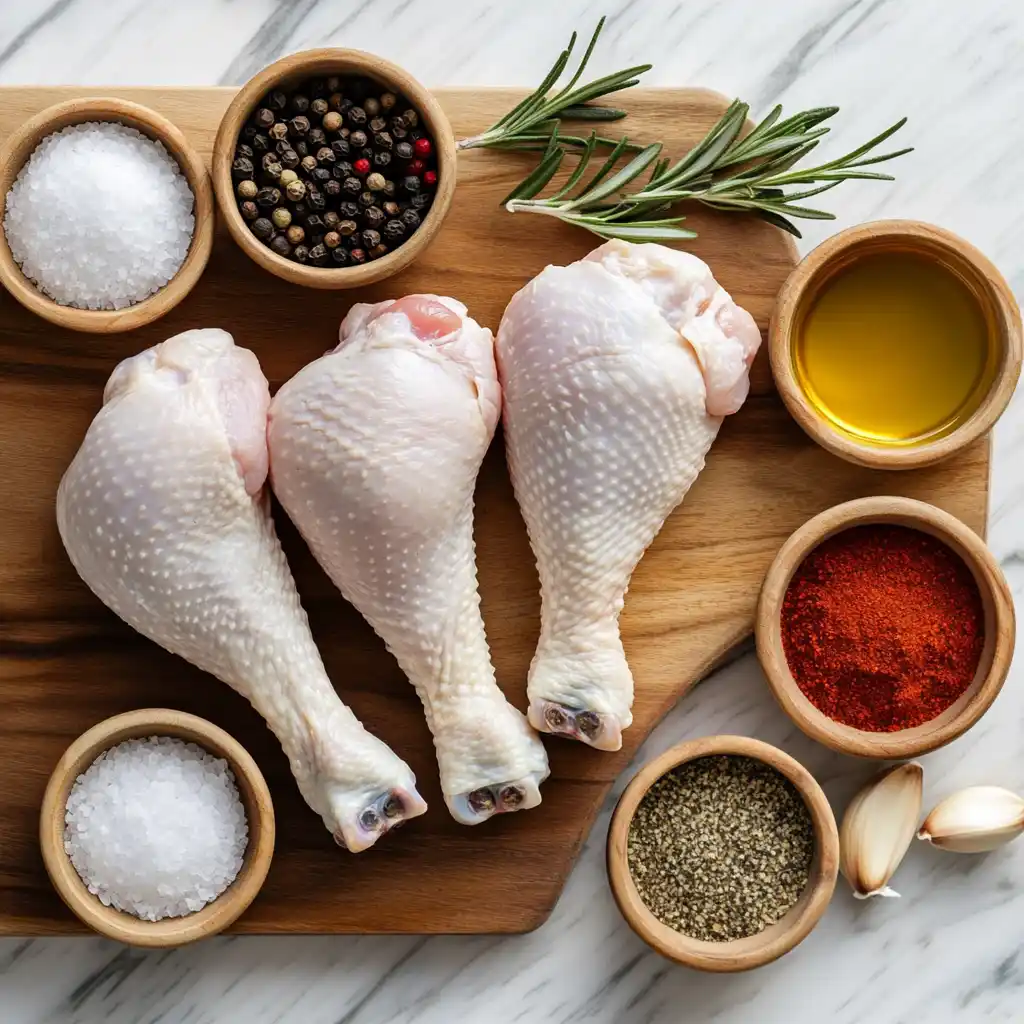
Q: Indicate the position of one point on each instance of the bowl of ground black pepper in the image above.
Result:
(723, 853)
(885, 628)
(334, 168)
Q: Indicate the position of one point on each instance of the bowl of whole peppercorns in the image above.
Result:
(334, 168)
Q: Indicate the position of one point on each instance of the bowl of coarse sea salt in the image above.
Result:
(108, 215)
(157, 828)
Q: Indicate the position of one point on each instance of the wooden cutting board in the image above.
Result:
(66, 662)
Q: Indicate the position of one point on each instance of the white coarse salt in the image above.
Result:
(155, 827)
(100, 216)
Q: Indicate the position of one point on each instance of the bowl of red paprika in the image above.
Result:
(885, 628)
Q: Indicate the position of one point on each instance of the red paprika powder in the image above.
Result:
(883, 627)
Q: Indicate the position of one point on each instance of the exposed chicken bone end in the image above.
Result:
(723, 335)
(388, 811)
(603, 731)
(478, 805)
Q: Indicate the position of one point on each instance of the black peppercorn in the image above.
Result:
(318, 107)
(325, 155)
(300, 210)
(268, 198)
(347, 228)
(395, 230)
(357, 140)
(332, 239)
(333, 83)
(264, 117)
(420, 201)
(318, 253)
(357, 255)
(382, 158)
(314, 223)
(318, 89)
(332, 187)
(372, 106)
(382, 140)
(280, 245)
(411, 118)
(308, 163)
(359, 89)
(267, 160)
(392, 209)
(353, 186)
(316, 138)
(342, 170)
(344, 133)
(302, 148)
(290, 158)
(398, 129)
(316, 199)
(278, 131)
(295, 234)
(380, 249)
(340, 255)
(378, 124)
(348, 209)
(411, 219)
(320, 174)
(249, 210)
(243, 150)
(250, 130)
(410, 183)
(341, 147)
(260, 142)
(366, 153)
(273, 170)
(282, 146)
(404, 150)
(356, 116)
(300, 254)
(277, 100)
(317, 239)
(373, 217)
(334, 101)
(331, 219)
(389, 189)
(298, 126)
(300, 103)
(370, 238)
(262, 228)
(387, 100)
(366, 199)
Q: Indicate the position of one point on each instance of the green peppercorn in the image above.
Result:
(318, 107)
(274, 170)
(268, 198)
(280, 245)
(281, 217)
(249, 210)
(309, 164)
(264, 117)
(247, 189)
(262, 228)
(295, 234)
(267, 159)
(278, 131)
(287, 176)
(300, 254)
(295, 190)
(332, 121)
(375, 182)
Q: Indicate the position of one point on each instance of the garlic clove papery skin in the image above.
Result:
(974, 820)
(878, 827)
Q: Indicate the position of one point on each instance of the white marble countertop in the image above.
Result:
(950, 949)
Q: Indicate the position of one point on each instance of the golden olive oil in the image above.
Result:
(895, 349)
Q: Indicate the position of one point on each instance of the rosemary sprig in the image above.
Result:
(531, 123)
(725, 170)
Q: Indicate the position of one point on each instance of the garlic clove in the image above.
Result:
(878, 827)
(974, 820)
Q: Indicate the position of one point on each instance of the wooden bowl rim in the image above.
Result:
(800, 287)
(754, 950)
(996, 600)
(252, 788)
(20, 145)
(308, 63)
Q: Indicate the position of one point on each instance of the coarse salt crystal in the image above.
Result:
(155, 827)
(100, 216)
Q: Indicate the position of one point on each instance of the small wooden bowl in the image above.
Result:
(775, 940)
(980, 275)
(996, 654)
(20, 146)
(287, 72)
(171, 931)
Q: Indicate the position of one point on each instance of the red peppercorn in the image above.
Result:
(423, 147)
(415, 167)
(430, 178)
(361, 166)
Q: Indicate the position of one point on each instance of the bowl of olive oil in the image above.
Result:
(895, 344)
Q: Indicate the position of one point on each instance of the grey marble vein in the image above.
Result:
(950, 949)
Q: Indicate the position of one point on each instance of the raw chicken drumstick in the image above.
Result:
(374, 453)
(617, 371)
(164, 515)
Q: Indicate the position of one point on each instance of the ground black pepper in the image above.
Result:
(721, 847)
